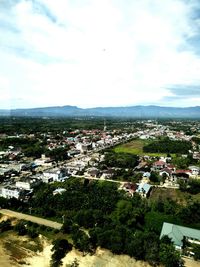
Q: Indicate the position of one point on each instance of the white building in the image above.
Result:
(27, 184)
(195, 170)
(83, 147)
(10, 192)
(43, 161)
(59, 191)
(55, 175)
(47, 179)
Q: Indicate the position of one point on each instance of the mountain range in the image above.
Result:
(131, 112)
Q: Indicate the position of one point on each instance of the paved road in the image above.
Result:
(99, 179)
(30, 218)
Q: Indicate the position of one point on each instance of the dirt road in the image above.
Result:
(31, 218)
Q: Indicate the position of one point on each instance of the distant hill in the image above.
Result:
(132, 112)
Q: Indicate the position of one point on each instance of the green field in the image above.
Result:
(136, 147)
(176, 195)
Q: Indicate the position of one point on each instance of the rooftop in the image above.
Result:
(177, 232)
(143, 188)
(159, 162)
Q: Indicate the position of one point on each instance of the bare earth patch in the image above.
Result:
(191, 263)
(102, 258)
(15, 249)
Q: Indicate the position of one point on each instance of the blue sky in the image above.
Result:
(99, 53)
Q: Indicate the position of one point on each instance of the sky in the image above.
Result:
(91, 53)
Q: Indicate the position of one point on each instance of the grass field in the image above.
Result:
(168, 193)
(136, 147)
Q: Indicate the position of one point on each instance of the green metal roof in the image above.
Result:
(177, 232)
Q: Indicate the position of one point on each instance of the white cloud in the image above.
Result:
(4, 93)
(97, 53)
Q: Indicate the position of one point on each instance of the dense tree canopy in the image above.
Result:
(168, 146)
(60, 248)
(120, 160)
(98, 214)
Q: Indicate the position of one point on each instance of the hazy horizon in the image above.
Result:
(96, 107)
(91, 53)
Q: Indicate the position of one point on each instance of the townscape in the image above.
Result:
(99, 133)
(79, 153)
(149, 159)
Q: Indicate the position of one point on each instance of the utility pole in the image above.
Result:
(104, 128)
(30, 209)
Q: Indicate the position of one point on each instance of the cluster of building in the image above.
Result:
(172, 174)
(18, 178)
(21, 186)
(142, 188)
(156, 130)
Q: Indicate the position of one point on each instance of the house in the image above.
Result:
(73, 152)
(159, 165)
(92, 172)
(59, 191)
(75, 167)
(143, 137)
(47, 179)
(27, 167)
(130, 188)
(8, 172)
(56, 174)
(83, 147)
(15, 150)
(196, 155)
(146, 174)
(166, 171)
(107, 174)
(185, 174)
(43, 161)
(143, 166)
(171, 167)
(144, 189)
(178, 233)
(194, 170)
(145, 177)
(2, 154)
(10, 192)
(27, 183)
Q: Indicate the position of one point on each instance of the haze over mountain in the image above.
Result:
(132, 112)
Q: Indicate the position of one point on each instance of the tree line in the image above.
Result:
(98, 214)
(168, 146)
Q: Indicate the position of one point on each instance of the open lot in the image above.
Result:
(182, 198)
(136, 147)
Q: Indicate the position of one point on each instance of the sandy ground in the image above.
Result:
(4, 218)
(5, 260)
(102, 258)
(191, 263)
(41, 259)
